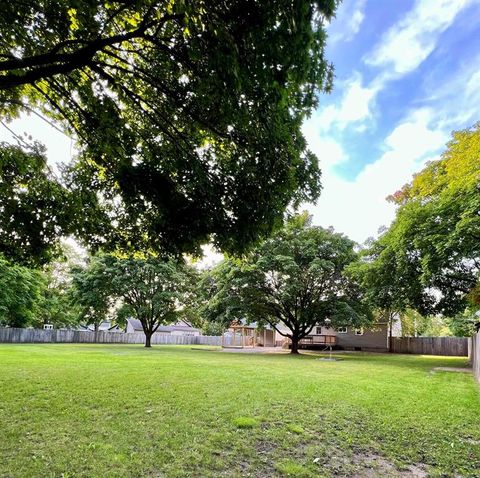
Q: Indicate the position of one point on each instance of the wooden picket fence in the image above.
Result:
(474, 354)
(455, 346)
(14, 335)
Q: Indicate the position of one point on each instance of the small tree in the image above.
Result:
(92, 291)
(20, 294)
(297, 278)
(377, 273)
(151, 289)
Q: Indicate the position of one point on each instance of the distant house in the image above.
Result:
(105, 326)
(181, 327)
(370, 339)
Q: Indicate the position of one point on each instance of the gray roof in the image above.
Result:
(105, 326)
(179, 326)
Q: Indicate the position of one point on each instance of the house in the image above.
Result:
(181, 327)
(370, 339)
(105, 326)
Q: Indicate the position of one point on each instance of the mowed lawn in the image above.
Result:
(123, 411)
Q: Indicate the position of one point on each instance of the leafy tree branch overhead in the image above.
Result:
(187, 113)
(36, 208)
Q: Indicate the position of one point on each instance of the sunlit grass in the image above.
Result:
(123, 411)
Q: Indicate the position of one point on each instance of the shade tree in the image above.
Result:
(296, 279)
(187, 114)
(154, 290)
(431, 252)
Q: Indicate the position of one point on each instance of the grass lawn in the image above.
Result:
(123, 411)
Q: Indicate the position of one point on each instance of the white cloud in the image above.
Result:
(460, 101)
(456, 99)
(347, 22)
(402, 49)
(410, 41)
(358, 208)
(354, 107)
(414, 138)
(328, 151)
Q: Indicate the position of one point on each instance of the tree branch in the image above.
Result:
(51, 63)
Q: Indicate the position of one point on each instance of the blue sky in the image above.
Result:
(407, 74)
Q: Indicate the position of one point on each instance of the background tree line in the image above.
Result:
(424, 269)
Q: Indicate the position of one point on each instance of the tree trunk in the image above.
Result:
(148, 336)
(294, 348)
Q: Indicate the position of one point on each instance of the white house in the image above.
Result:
(181, 327)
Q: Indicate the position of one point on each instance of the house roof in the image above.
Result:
(179, 326)
(248, 325)
(105, 326)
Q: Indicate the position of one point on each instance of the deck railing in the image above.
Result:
(319, 340)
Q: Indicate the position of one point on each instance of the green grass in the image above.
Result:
(123, 411)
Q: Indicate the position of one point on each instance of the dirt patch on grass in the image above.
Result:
(371, 465)
(331, 461)
(264, 447)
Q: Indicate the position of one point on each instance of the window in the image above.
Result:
(318, 330)
(342, 330)
(359, 331)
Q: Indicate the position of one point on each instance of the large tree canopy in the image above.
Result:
(297, 278)
(433, 246)
(188, 113)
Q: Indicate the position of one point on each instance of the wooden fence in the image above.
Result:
(457, 346)
(13, 335)
(474, 354)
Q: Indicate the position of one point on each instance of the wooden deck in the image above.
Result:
(318, 342)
